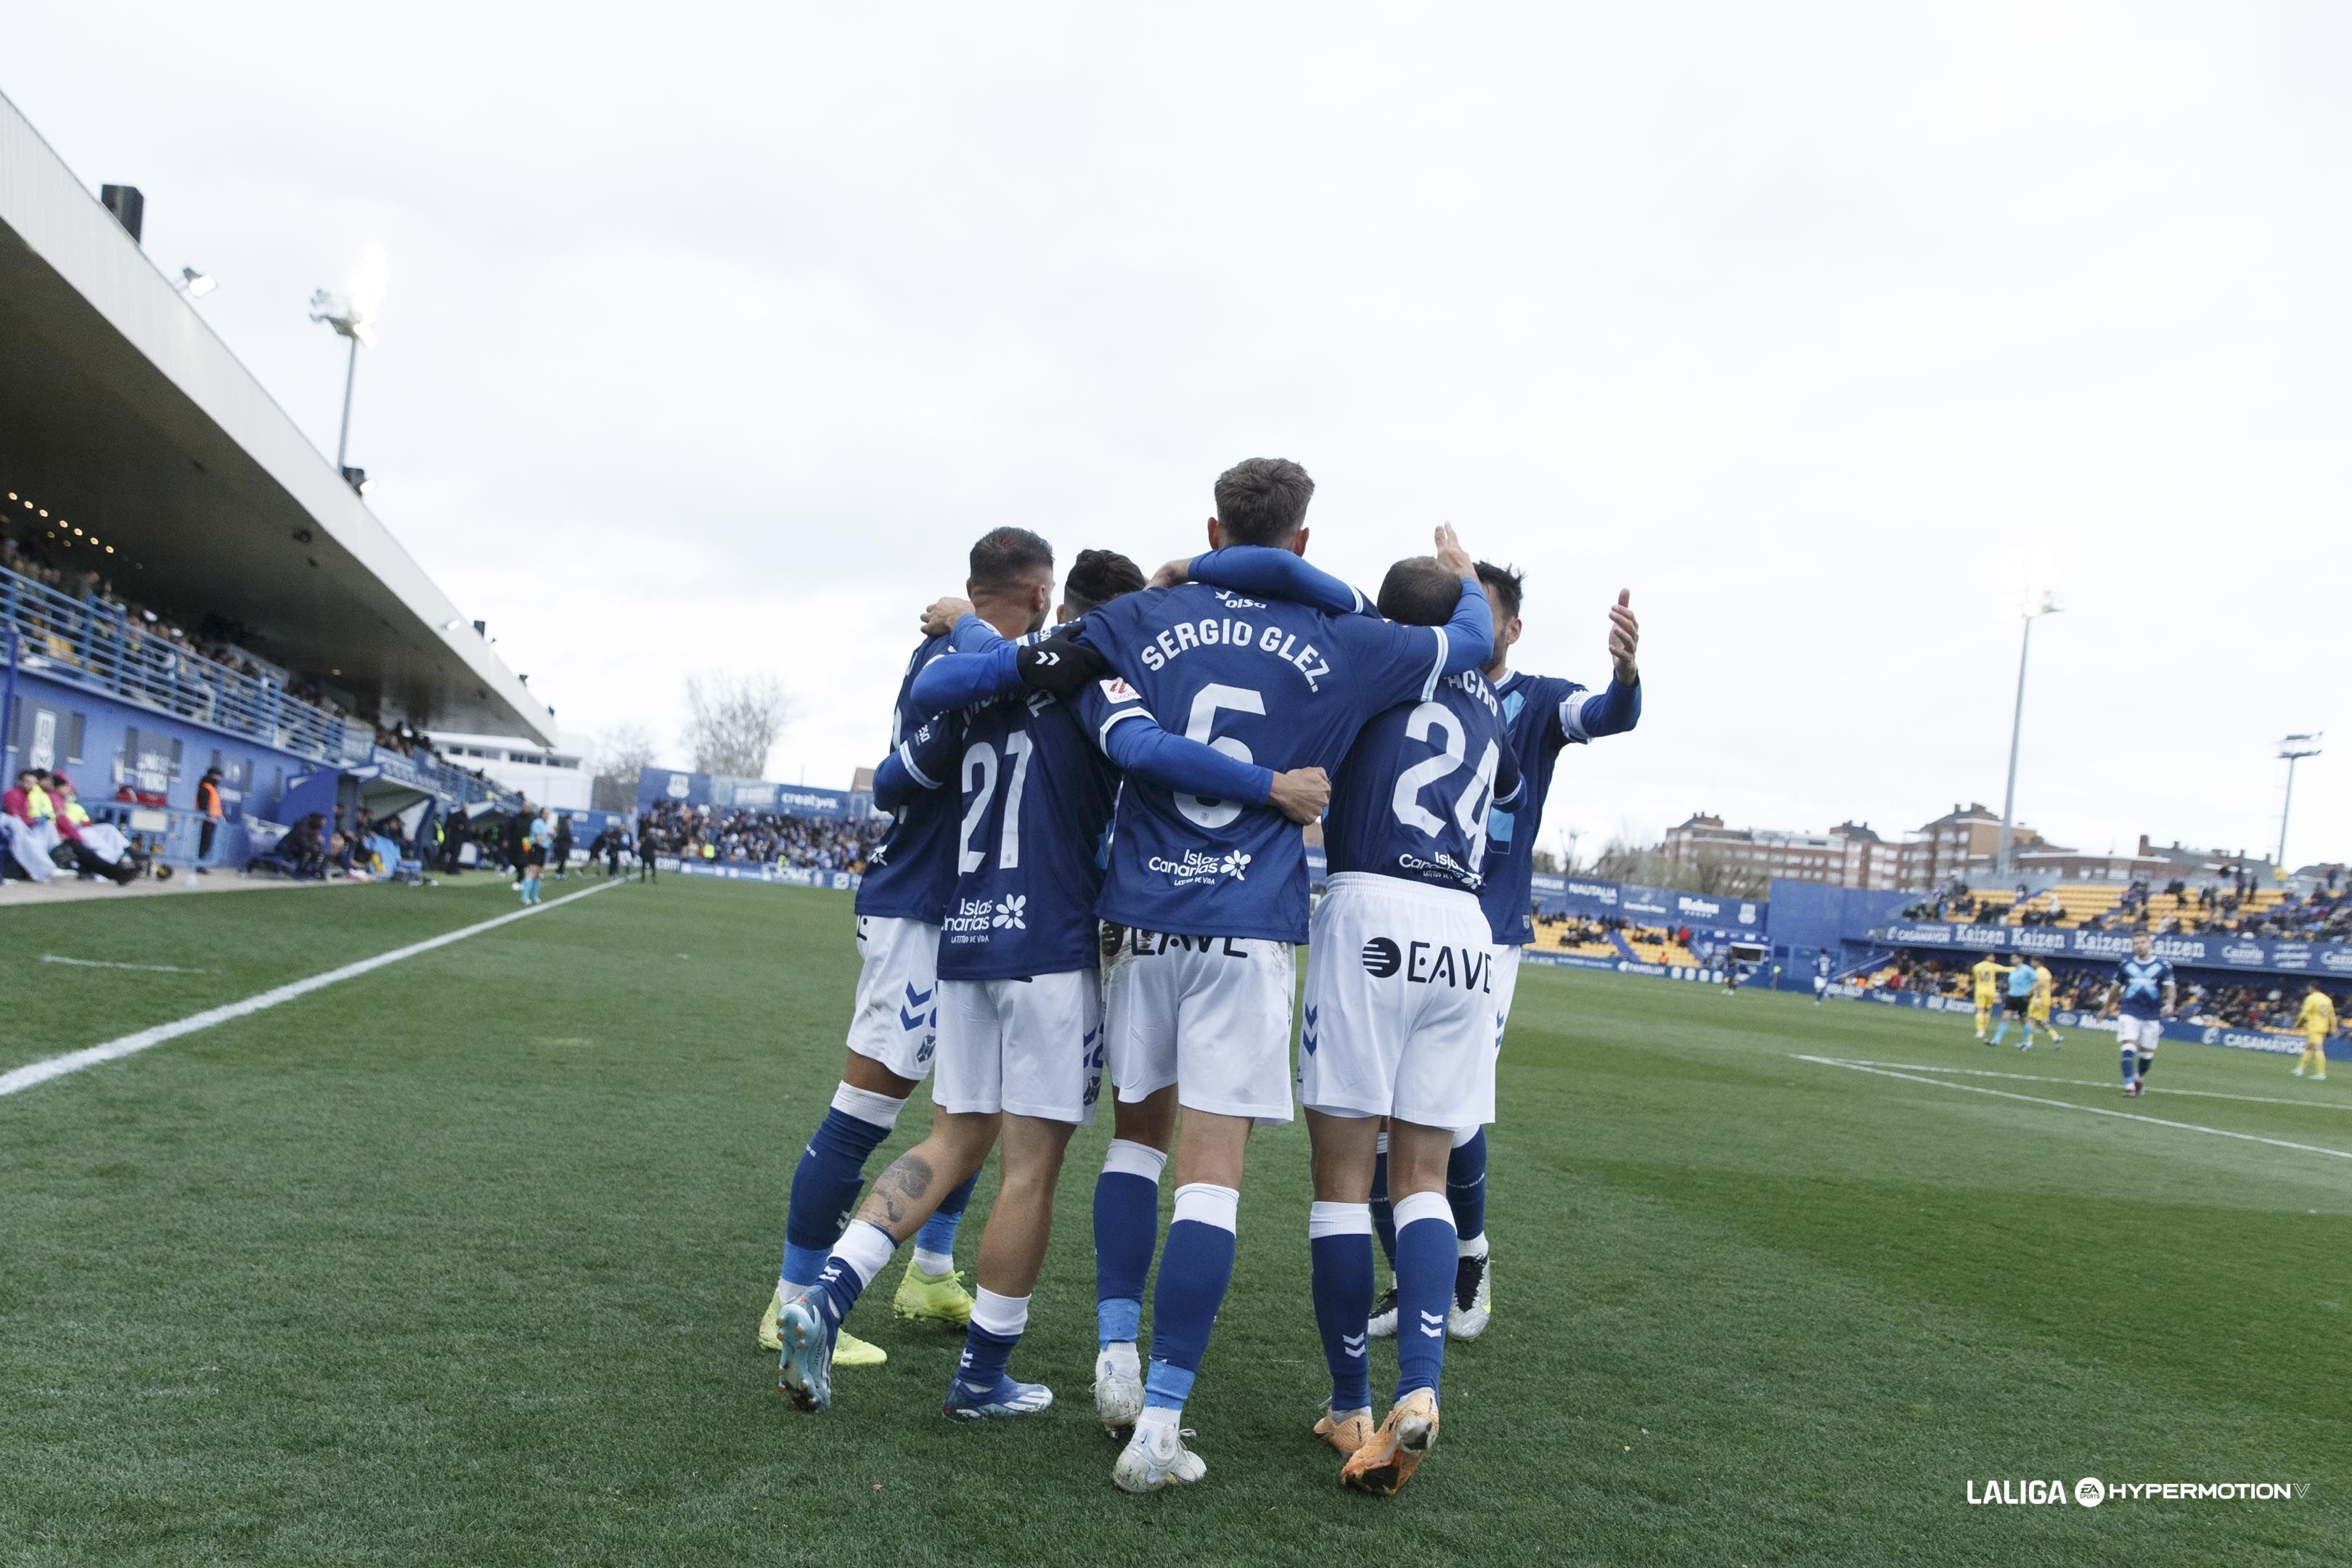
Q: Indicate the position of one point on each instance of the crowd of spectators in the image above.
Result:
(760, 838)
(2265, 1003)
(158, 647)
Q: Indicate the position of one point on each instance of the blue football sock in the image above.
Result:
(1465, 1186)
(2000, 1032)
(1127, 1233)
(996, 1326)
(1425, 1263)
(2131, 1061)
(865, 1247)
(2147, 1065)
(826, 1182)
(1192, 1280)
(939, 1232)
(1383, 1216)
(1340, 1243)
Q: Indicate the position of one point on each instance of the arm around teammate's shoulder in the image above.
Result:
(984, 666)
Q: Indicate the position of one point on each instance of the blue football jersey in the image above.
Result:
(2143, 981)
(1533, 708)
(1034, 799)
(911, 873)
(1411, 798)
(1275, 683)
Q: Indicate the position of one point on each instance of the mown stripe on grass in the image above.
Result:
(18, 1079)
(2302, 1102)
(2069, 1105)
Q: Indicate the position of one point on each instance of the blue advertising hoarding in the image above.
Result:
(723, 791)
(2266, 955)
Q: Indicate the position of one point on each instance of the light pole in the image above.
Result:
(353, 317)
(2038, 603)
(2292, 750)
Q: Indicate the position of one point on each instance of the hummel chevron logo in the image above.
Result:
(1044, 658)
(913, 1014)
(1352, 1343)
(1307, 1035)
(1427, 1319)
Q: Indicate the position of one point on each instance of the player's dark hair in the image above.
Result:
(1418, 592)
(1003, 556)
(1263, 501)
(1507, 581)
(1097, 577)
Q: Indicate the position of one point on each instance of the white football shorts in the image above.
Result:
(1506, 984)
(1208, 1014)
(1400, 1017)
(1034, 1047)
(896, 1023)
(2141, 1032)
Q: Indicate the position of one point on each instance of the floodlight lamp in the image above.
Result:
(196, 285)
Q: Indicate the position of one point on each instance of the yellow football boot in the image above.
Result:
(924, 1297)
(848, 1350)
(1396, 1450)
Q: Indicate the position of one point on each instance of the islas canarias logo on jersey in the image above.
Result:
(973, 918)
(1197, 867)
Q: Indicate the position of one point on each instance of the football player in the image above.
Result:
(1020, 1038)
(2143, 995)
(1211, 892)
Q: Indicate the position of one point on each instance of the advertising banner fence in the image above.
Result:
(2264, 955)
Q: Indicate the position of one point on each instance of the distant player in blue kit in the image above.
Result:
(1400, 1023)
(2143, 996)
(1020, 1015)
(1210, 894)
(1821, 977)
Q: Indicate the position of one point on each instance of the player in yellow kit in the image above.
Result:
(2037, 1008)
(1987, 975)
(2317, 1021)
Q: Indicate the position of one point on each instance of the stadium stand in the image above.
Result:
(2218, 906)
(201, 625)
(743, 837)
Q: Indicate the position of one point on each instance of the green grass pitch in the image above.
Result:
(459, 1262)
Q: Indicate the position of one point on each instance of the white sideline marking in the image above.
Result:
(109, 963)
(2105, 1083)
(2068, 1105)
(18, 1079)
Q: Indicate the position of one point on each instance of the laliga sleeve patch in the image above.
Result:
(1117, 690)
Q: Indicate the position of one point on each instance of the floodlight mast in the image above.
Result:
(2037, 603)
(354, 318)
(2292, 750)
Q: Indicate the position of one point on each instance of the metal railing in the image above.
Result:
(94, 642)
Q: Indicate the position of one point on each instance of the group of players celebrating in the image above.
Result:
(1097, 866)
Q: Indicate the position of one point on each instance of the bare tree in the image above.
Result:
(1723, 877)
(622, 753)
(733, 722)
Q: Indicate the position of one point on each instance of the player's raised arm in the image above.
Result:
(1272, 573)
(1469, 636)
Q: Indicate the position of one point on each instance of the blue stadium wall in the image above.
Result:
(102, 743)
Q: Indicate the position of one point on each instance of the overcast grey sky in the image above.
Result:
(714, 341)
